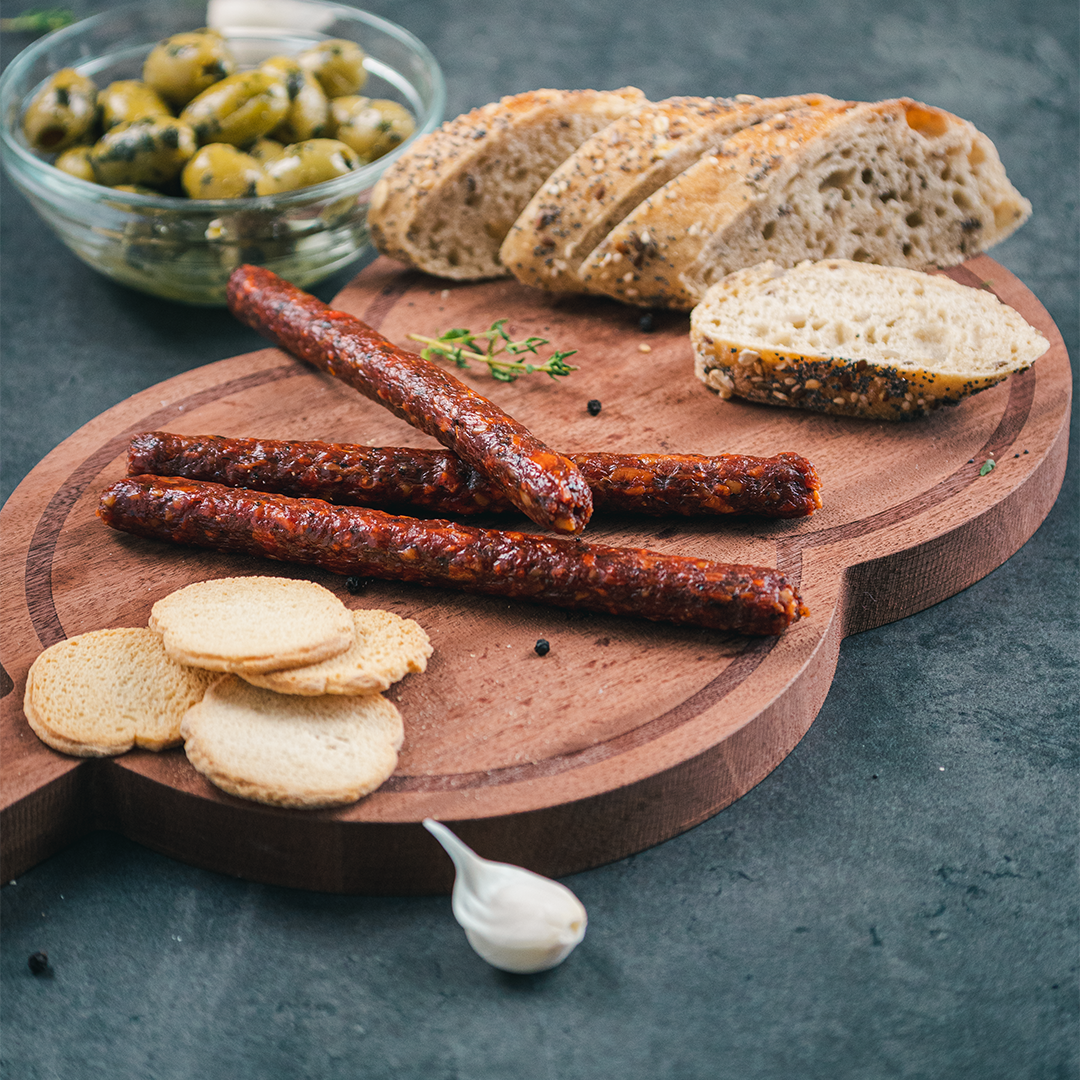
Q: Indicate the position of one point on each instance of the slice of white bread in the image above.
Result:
(385, 649)
(856, 339)
(105, 691)
(252, 624)
(612, 172)
(894, 182)
(300, 752)
(446, 206)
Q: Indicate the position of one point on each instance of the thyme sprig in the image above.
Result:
(37, 21)
(493, 347)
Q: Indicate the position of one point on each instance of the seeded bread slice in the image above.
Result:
(895, 182)
(612, 172)
(105, 691)
(446, 206)
(856, 339)
(301, 752)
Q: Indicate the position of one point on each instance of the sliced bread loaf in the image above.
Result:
(615, 170)
(856, 339)
(894, 182)
(446, 206)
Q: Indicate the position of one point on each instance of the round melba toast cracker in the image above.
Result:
(252, 624)
(385, 649)
(103, 692)
(284, 750)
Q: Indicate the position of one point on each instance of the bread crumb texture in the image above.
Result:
(105, 691)
(613, 171)
(252, 624)
(446, 206)
(896, 183)
(289, 751)
(855, 339)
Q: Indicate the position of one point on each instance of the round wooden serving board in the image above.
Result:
(627, 732)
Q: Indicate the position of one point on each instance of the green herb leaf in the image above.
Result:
(37, 21)
(987, 467)
(460, 346)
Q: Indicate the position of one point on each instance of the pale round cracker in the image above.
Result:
(298, 752)
(385, 649)
(252, 624)
(105, 691)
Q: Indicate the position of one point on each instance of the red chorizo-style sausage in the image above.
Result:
(548, 569)
(438, 483)
(538, 481)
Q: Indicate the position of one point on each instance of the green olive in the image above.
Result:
(75, 161)
(306, 163)
(309, 108)
(371, 126)
(338, 64)
(184, 65)
(62, 113)
(129, 99)
(265, 149)
(238, 109)
(220, 171)
(151, 151)
(136, 189)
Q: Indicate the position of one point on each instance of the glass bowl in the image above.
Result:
(185, 249)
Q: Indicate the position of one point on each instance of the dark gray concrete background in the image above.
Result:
(898, 899)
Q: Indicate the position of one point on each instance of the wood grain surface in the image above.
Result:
(627, 732)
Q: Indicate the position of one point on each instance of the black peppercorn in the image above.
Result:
(645, 323)
(355, 584)
(543, 647)
(38, 962)
(594, 407)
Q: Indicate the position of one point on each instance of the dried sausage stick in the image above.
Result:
(538, 481)
(438, 483)
(549, 569)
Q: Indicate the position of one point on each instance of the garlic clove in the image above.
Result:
(514, 919)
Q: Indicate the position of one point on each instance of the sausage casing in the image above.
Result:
(437, 482)
(537, 480)
(554, 570)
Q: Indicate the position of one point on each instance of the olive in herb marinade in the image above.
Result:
(183, 66)
(266, 149)
(75, 161)
(126, 100)
(371, 126)
(221, 171)
(306, 163)
(239, 133)
(149, 151)
(337, 64)
(309, 108)
(62, 113)
(238, 109)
